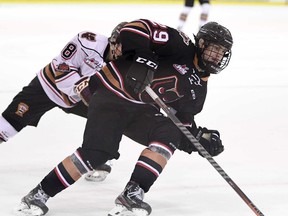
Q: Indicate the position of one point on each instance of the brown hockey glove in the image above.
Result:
(81, 88)
(209, 139)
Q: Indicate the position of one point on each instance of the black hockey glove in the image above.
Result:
(81, 88)
(140, 74)
(209, 139)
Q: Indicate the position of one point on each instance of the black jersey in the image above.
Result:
(176, 81)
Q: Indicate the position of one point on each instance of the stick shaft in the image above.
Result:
(202, 150)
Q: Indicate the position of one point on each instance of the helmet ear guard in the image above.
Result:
(213, 34)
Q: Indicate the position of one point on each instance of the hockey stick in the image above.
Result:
(202, 150)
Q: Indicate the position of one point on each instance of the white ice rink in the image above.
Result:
(247, 103)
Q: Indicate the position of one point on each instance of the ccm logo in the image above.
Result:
(147, 62)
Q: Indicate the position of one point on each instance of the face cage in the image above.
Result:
(213, 68)
(114, 48)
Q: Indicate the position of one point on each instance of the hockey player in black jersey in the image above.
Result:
(177, 70)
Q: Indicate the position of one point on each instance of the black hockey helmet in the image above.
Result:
(214, 33)
(114, 40)
(115, 35)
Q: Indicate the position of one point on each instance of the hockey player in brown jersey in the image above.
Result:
(177, 70)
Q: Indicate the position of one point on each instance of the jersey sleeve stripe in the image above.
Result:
(135, 31)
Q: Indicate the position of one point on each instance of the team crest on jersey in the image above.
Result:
(63, 67)
(93, 63)
(165, 88)
(22, 109)
(182, 69)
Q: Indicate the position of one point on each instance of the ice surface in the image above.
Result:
(247, 103)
